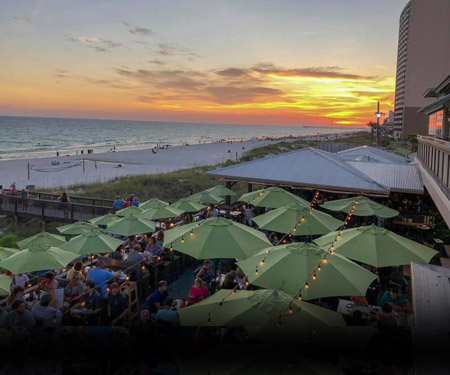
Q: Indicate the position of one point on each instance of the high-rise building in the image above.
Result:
(423, 58)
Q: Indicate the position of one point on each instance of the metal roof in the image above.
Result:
(372, 154)
(399, 177)
(306, 167)
(437, 104)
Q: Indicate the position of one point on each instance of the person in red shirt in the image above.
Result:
(127, 203)
(198, 291)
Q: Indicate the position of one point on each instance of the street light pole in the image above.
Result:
(378, 114)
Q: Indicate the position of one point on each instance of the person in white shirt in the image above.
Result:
(21, 279)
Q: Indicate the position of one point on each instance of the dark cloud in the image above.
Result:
(316, 72)
(98, 43)
(233, 72)
(236, 95)
(157, 62)
(138, 30)
(170, 49)
(61, 73)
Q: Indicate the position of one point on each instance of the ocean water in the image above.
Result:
(26, 137)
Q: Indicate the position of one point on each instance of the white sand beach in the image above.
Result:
(104, 166)
(65, 170)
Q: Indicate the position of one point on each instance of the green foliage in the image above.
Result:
(9, 240)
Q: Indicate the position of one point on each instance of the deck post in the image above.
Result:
(249, 187)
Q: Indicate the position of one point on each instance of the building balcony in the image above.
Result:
(433, 157)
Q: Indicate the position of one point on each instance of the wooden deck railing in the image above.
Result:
(52, 209)
(434, 153)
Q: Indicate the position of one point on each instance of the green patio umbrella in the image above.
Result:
(5, 285)
(160, 211)
(289, 267)
(43, 238)
(6, 252)
(92, 242)
(214, 238)
(298, 220)
(129, 210)
(376, 246)
(205, 197)
(131, 225)
(363, 206)
(187, 205)
(220, 191)
(257, 309)
(38, 258)
(105, 219)
(151, 203)
(77, 228)
(274, 197)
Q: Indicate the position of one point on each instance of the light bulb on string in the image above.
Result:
(182, 239)
(294, 229)
(192, 233)
(262, 263)
(302, 219)
(324, 261)
(256, 271)
(332, 252)
(290, 311)
(299, 297)
(306, 285)
(314, 276)
(319, 268)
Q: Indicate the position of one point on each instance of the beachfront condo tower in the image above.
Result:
(423, 58)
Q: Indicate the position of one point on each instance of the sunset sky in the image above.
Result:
(287, 62)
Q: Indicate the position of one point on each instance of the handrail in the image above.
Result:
(19, 198)
(434, 141)
(32, 192)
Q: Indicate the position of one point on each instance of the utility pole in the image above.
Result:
(378, 114)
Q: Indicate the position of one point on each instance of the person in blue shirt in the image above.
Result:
(100, 275)
(154, 248)
(135, 202)
(392, 298)
(156, 300)
(118, 203)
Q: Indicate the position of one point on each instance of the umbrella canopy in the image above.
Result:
(77, 228)
(129, 210)
(38, 258)
(5, 285)
(376, 246)
(187, 205)
(131, 225)
(298, 220)
(220, 191)
(289, 267)
(205, 197)
(105, 219)
(151, 203)
(6, 252)
(258, 308)
(363, 206)
(43, 238)
(216, 237)
(92, 242)
(160, 211)
(273, 197)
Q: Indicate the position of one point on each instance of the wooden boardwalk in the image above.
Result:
(45, 206)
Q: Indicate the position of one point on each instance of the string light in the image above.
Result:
(290, 311)
(262, 263)
(256, 272)
(299, 297)
(171, 248)
(302, 219)
(294, 229)
(182, 239)
(319, 268)
(324, 261)
(143, 267)
(192, 233)
(314, 276)
(306, 285)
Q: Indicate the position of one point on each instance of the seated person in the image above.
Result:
(74, 290)
(17, 294)
(45, 312)
(198, 292)
(169, 314)
(135, 255)
(118, 253)
(154, 249)
(392, 298)
(91, 302)
(229, 282)
(49, 283)
(100, 275)
(21, 279)
(76, 270)
(117, 305)
(19, 316)
(156, 300)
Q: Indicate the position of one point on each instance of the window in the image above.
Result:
(435, 124)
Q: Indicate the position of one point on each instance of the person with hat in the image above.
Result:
(135, 256)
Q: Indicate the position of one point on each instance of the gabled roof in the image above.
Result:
(398, 177)
(306, 167)
(372, 154)
(436, 105)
